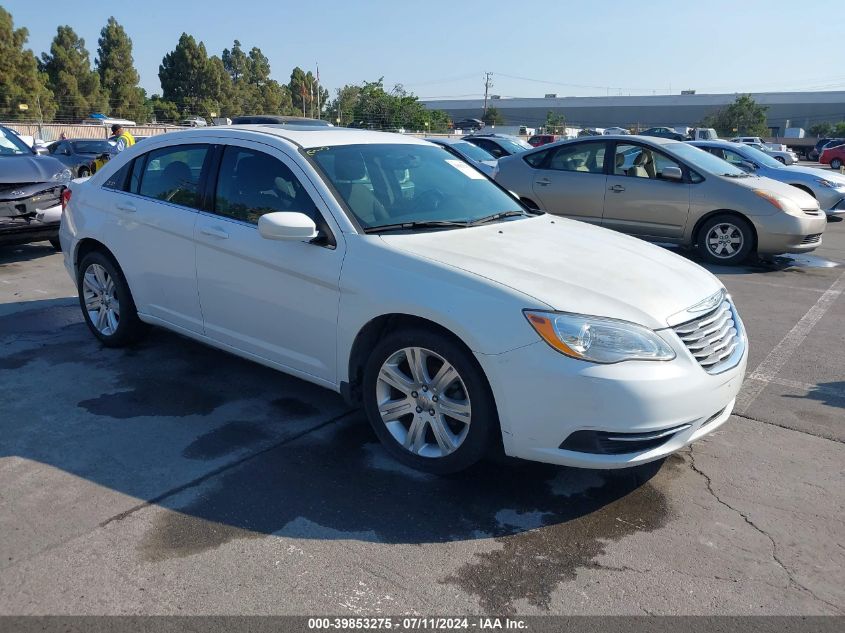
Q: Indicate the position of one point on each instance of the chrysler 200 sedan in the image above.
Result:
(384, 268)
(669, 192)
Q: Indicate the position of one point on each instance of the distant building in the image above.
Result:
(785, 109)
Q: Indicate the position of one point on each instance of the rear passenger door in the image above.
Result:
(154, 202)
(274, 300)
(570, 180)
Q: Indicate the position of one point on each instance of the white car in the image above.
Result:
(784, 157)
(379, 266)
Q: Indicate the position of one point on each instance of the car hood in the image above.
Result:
(571, 267)
(814, 172)
(21, 169)
(804, 199)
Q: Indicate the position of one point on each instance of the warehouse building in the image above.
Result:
(785, 109)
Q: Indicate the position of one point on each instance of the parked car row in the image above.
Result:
(385, 268)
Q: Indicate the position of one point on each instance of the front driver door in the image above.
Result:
(639, 200)
(275, 300)
(570, 181)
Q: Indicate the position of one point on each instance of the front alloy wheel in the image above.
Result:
(428, 401)
(725, 239)
(101, 302)
(423, 402)
(835, 163)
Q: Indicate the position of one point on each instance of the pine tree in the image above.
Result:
(118, 76)
(75, 87)
(21, 83)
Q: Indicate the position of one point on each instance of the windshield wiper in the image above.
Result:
(496, 216)
(737, 175)
(429, 224)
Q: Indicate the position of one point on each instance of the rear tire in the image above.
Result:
(106, 302)
(428, 401)
(781, 160)
(835, 163)
(725, 239)
(56, 244)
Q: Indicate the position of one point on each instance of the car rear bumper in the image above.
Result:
(544, 398)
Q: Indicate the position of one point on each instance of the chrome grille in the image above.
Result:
(812, 239)
(715, 339)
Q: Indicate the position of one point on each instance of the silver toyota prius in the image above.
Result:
(666, 191)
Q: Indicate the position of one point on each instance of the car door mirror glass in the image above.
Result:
(672, 173)
(288, 226)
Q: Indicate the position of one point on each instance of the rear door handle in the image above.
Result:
(126, 206)
(617, 188)
(544, 182)
(214, 231)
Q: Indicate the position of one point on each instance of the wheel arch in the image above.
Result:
(697, 228)
(803, 188)
(90, 245)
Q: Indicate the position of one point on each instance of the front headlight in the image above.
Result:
(830, 184)
(63, 176)
(598, 339)
(788, 205)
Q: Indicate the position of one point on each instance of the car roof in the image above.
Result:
(716, 143)
(444, 140)
(301, 135)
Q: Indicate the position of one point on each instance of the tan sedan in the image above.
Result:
(666, 191)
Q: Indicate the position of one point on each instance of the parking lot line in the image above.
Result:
(768, 369)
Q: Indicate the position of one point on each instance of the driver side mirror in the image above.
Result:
(672, 173)
(287, 226)
(41, 151)
(747, 165)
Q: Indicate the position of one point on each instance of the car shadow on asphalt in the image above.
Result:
(830, 393)
(25, 252)
(756, 264)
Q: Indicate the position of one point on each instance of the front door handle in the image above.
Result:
(213, 231)
(544, 182)
(126, 206)
(617, 188)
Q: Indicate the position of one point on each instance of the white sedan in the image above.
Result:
(382, 267)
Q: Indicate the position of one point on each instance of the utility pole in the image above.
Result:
(487, 85)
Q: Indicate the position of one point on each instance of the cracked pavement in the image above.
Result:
(174, 479)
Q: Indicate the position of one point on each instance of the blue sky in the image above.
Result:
(442, 48)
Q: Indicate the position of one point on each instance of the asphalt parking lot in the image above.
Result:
(175, 479)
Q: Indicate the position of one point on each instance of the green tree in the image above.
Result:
(493, 117)
(20, 80)
(839, 130)
(118, 76)
(341, 110)
(744, 117)
(75, 86)
(235, 61)
(555, 123)
(821, 129)
(303, 91)
(163, 111)
(190, 79)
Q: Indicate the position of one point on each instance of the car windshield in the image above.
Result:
(389, 184)
(11, 145)
(702, 160)
(473, 151)
(92, 147)
(759, 156)
(514, 146)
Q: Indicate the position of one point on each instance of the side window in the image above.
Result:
(535, 159)
(733, 158)
(583, 157)
(173, 173)
(135, 177)
(117, 180)
(251, 183)
(637, 161)
(491, 147)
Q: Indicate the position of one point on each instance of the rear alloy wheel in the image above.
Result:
(835, 163)
(106, 302)
(428, 402)
(726, 240)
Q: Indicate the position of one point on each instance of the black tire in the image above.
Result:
(835, 163)
(725, 220)
(781, 160)
(484, 423)
(83, 172)
(129, 327)
(56, 244)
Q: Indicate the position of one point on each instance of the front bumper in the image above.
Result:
(543, 397)
(785, 233)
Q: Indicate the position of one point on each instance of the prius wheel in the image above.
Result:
(428, 401)
(726, 240)
(106, 302)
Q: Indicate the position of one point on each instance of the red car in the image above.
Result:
(542, 139)
(833, 156)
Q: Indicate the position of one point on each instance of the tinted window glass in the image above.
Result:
(583, 157)
(118, 179)
(252, 183)
(535, 159)
(172, 174)
(135, 177)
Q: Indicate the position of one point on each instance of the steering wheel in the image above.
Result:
(431, 199)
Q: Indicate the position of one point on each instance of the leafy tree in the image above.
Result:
(744, 117)
(342, 109)
(75, 87)
(821, 129)
(303, 91)
(493, 117)
(163, 111)
(252, 89)
(235, 61)
(118, 76)
(190, 79)
(20, 80)
(839, 130)
(555, 123)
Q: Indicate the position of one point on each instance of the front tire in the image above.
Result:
(428, 401)
(56, 244)
(106, 302)
(781, 160)
(835, 163)
(725, 239)
(83, 172)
